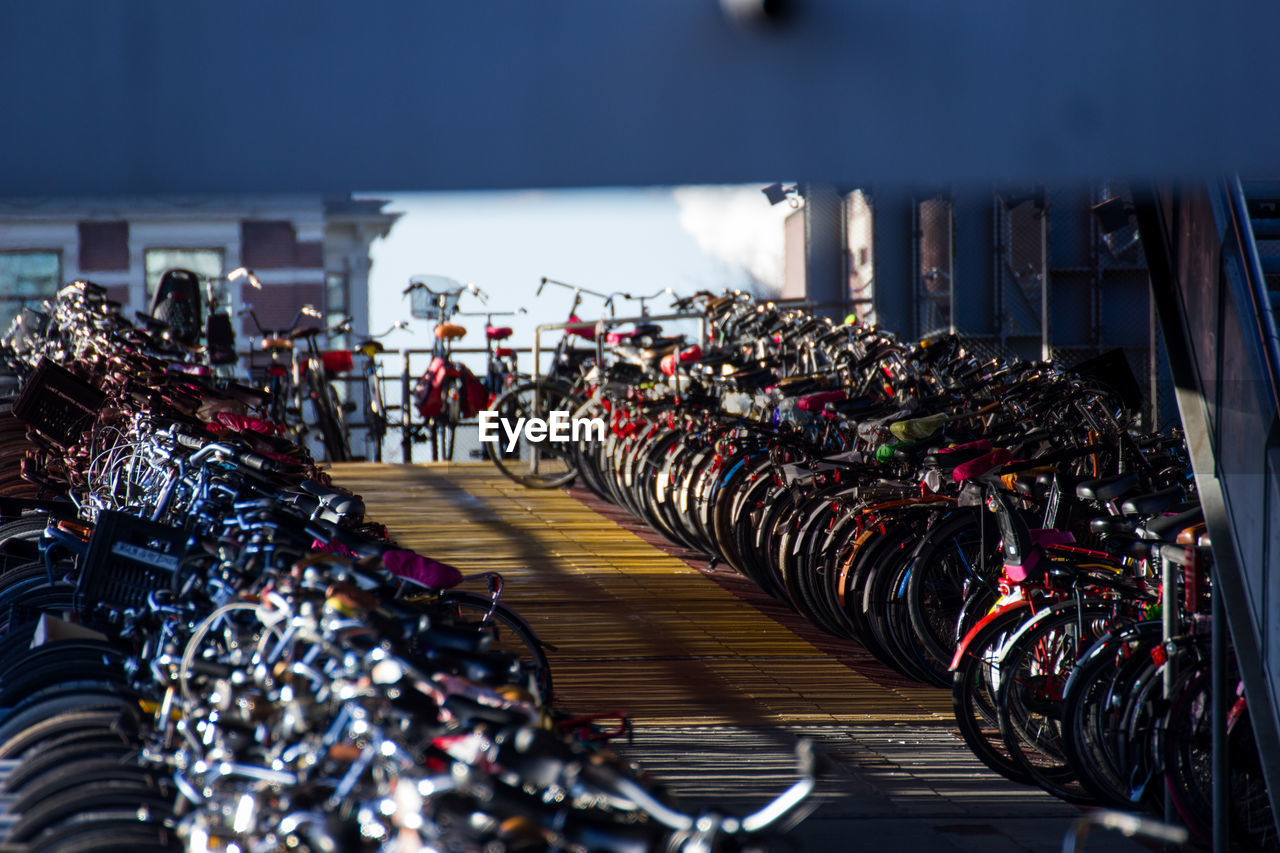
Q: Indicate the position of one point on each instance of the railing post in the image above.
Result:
(406, 413)
(537, 377)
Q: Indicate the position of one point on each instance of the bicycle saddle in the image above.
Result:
(816, 401)
(1032, 488)
(450, 331)
(1192, 535)
(1153, 502)
(1167, 528)
(660, 348)
(497, 333)
(948, 458)
(859, 408)
(370, 348)
(270, 343)
(339, 502)
(1107, 488)
(1112, 525)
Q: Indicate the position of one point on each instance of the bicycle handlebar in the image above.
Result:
(575, 288)
(454, 291)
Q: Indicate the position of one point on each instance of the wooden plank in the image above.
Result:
(636, 628)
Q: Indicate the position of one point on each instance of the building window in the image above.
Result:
(27, 278)
(206, 263)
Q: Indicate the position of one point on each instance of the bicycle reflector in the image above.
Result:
(337, 360)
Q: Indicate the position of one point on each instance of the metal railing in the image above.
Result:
(397, 401)
(599, 326)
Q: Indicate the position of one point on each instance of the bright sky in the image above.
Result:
(634, 240)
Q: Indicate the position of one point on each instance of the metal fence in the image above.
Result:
(1068, 290)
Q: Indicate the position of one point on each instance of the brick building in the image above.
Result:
(306, 249)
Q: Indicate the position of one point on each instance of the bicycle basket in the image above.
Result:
(128, 559)
(57, 403)
(27, 330)
(425, 305)
(422, 305)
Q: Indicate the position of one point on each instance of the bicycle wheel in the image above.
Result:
(1034, 670)
(541, 465)
(974, 685)
(1091, 706)
(326, 412)
(509, 634)
(949, 567)
(375, 415)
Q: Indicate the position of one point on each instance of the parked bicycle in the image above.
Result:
(999, 528)
(547, 465)
(191, 312)
(292, 380)
(448, 392)
(204, 644)
(376, 421)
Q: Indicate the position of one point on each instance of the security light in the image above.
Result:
(777, 193)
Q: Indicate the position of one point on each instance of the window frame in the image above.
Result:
(7, 297)
(148, 288)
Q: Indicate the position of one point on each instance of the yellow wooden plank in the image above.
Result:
(636, 629)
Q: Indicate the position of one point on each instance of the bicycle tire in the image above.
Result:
(1104, 673)
(321, 394)
(517, 402)
(1034, 669)
(108, 832)
(942, 577)
(529, 647)
(68, 804)
(61, 724)
(975, 682)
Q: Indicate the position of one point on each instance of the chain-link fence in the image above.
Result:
(1069, 283)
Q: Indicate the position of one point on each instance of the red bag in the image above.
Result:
(443, 377)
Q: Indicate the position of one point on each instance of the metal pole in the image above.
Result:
(1169, 626)
(1153, 365)
(406, 414)
(1046, 350)
(537, 382)
(1168, 612)
(1218, 675)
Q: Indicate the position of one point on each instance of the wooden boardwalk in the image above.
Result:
(635, 628)
(718, 679)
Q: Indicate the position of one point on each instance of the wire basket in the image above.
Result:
(422, 305)
(424, 298)
(57, 403)
(128, 559)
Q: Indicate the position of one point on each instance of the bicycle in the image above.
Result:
(546, 465)
(375, 407)
(448, 392)
(501, 367)
(177, 312)
(306, 378)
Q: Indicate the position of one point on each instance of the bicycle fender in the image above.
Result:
(963, 648)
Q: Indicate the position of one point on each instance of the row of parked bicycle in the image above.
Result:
(205, 645)
(995, 527)
(311, 389)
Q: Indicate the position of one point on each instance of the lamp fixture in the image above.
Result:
(777, 193)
